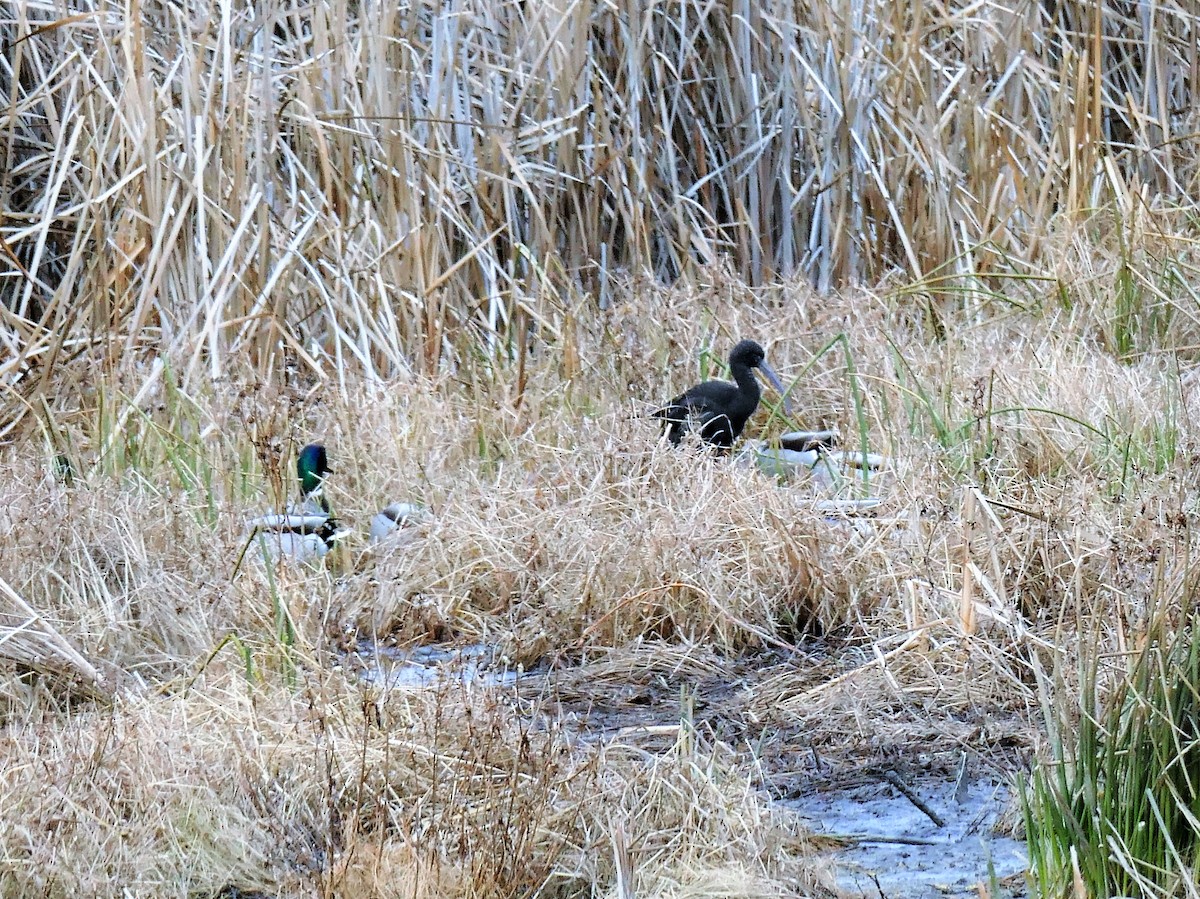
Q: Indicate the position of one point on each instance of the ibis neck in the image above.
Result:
(743, 376)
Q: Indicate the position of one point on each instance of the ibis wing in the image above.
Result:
(709, 398)
(701, 410)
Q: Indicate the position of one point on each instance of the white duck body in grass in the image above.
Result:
(394, 518)
(813, 455)
(307, 530)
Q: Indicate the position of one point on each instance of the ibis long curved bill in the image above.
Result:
(769, 374)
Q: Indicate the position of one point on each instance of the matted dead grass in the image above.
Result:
(435, 237)
(697, 639)
(324, 789)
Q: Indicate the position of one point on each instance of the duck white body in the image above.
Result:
(305, 531)
(394, 518)
(794, 453)
(783, 463)
(301, 533)
(805, 452)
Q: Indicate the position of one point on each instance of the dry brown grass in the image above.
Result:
(653, 593)
(324, 789)
(333, 190)
(437, 238)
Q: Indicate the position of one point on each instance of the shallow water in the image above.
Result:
(431, 665)
(893, 848)
(948, 861)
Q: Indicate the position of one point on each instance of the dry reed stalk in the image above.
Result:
(34, 643)
(372, 194)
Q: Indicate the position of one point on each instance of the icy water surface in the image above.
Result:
(911, 857)
(892, 849)
(425, 666)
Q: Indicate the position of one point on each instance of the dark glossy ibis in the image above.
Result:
(718, 410)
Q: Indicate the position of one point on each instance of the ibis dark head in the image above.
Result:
(312, 465)
(747, 353)
(719, 410)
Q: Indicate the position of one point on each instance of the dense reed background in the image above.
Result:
(372, 187)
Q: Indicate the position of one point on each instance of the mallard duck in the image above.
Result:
(815, 452)
(395, 517)
(792, 453)
(719, 410)
(306, 530)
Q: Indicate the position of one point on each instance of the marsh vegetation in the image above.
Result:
(470, 246)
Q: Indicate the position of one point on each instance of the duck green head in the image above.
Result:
(312, 466)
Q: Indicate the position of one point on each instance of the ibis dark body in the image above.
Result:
(718, 410)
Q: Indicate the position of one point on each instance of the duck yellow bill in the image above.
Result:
(770, 375)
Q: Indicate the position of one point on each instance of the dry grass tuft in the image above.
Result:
(600, 546)
(445, 792)
(102, 807)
